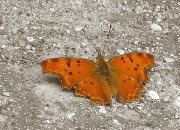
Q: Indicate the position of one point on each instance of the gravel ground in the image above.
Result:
(34, 30)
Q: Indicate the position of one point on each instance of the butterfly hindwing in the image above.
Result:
(128, 88)
(96, 88)
(70, 70)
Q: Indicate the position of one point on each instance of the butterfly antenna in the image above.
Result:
(108, 37)
(89, 40)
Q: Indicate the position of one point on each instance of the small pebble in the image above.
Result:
(15, 8)
(30, 39)
(115, 121)
(22, 42)
(33, 48)
(177, 101)
(102, 109)
(11, 100)
(4, 46)
(28, 47)
(40, 38)
(136, 42)
(14, 30)
(120, 51)
(52, 10)
(3, 118)
(2, 28)
(78, 28)
(68, 31)
(70, 115)
(153, 94)
(146, 49)
(167, 59)
(84, 43)
(79, 2)
(16, 47)
(139, 9)
(6, 94)
(156, 27)
(139, 49)
(140, 108)
(159, 82)
(166, 98)
(47, 121)
(158, 19)
(176, 116)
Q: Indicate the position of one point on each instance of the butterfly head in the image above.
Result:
(100, 58)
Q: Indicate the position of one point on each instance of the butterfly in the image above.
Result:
(120, 77)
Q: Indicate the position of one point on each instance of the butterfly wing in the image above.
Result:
(96, 88)
(128, 88)
(133, 65)
(70, 70)
(128, 70)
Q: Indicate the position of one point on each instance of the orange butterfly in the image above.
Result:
(120, 77)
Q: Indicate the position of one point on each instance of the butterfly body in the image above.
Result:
(120, 77)
(102, 66)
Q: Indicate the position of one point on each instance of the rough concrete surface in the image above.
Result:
(34, 30)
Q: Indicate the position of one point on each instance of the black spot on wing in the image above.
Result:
(91, 83)
(122, 58)
(68, 64)
(131, 60)
(78, 61)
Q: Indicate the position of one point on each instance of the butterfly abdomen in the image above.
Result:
(109, 87)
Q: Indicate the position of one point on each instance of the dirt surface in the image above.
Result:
(34, 30)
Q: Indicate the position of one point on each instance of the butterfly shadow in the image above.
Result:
(57, 82)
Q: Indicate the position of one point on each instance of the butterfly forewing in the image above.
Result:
(133, 65)
(70, 70)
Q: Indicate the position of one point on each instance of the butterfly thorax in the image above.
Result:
(102, 66)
